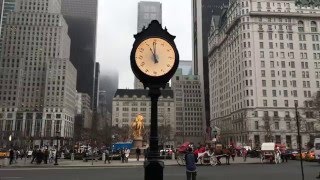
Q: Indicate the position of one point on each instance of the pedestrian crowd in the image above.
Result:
(37, 156)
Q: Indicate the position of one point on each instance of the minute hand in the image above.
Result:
(155, 52)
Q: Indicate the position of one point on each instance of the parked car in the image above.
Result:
(166, 153)
(4, 153)
(291, 153)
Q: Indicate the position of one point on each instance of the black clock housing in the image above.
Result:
(154, 30)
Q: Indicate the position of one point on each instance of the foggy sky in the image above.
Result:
(117, 23)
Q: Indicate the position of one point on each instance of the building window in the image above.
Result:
(261, 45)
(264, 83)
(314, 27)
(256, 125)
(265, 103)
(286, 103)
(271, 54)
(261, 36)
(264, 93)
(275, 103)
(276, 125)
(300, 26)
(281, 36)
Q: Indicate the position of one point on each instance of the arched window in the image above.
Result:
(314, 27)
(300, 26)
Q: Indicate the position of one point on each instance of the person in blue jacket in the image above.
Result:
(191, 168)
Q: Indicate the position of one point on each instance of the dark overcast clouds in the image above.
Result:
(117, 22)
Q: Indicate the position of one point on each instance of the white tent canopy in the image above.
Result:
(268, 146)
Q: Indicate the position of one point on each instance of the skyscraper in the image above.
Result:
(203, 10)
(109, 84)
(6, 6)
(38, 82)
(147, 11)
(188, 107)
(186, 67)
(81, 17)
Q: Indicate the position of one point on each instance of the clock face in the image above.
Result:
(155, 57)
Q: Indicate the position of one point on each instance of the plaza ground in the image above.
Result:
(235, 171)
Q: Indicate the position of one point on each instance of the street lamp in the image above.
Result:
(56, 159)
(214, 133)
(10, 139)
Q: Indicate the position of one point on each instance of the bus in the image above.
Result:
(317, 149)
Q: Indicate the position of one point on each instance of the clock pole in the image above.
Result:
(153, 166)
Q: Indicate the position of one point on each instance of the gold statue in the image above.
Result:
(138, 126)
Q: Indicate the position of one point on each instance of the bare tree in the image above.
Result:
(267, 128)
(165, 129)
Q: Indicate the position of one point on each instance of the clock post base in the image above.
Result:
(153, 170)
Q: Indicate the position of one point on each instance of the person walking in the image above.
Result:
(39, 156)
(191, 168)
(122, 155)
(15, 156)
(11, 156)
(244, 154)
(34, 155)
(107, 152)
(146, 152)
(138, 153)
(127, 154)
(46, 156)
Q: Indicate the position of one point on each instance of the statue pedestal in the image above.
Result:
(137, 142)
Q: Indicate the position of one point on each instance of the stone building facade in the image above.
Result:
(264, 57)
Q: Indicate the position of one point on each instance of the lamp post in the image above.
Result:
(56, 158)
(214, 133)
(111, 147)
(299, 139)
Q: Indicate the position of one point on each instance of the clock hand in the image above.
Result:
(155, 50)
(154, 57)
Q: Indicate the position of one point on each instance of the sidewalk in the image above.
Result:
(77, 163)
(115, 163)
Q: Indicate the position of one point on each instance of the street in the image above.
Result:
(284, 171)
